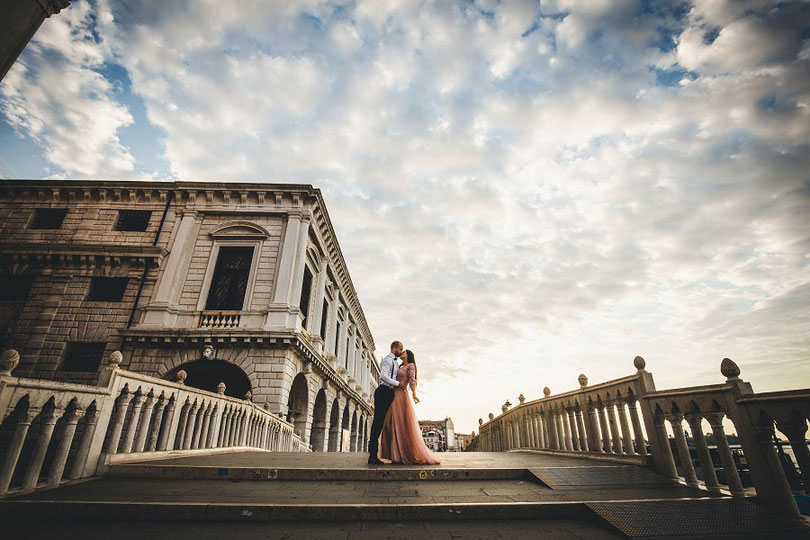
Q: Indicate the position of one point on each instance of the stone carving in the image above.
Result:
(181, 376)
(729, 369)
(221, 388)
(491, 416)
(307, 367)
(248, 396)
(480, 421)
(9, 360)
(640, 363)
(208, 352)
(521, 398)
(583, 380)
(546, 391)
(115, 359)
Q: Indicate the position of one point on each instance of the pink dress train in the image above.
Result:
(401, 439)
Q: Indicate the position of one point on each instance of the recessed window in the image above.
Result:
(324, 315)
(337, 338)
(229, 283)
(132, 220)
(15, 288)
(82, 356)
(48, 218)
(306, 289)
(107, 289)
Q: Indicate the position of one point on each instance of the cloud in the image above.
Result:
(518, 195)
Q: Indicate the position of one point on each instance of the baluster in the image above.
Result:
(592, 427)
(627, 437)
(614, 428)
(726, 458)
(603, 428)
(210, 440)
(669, 460)
(641, 444)
(583, 437)
(190, 424)
(572, 421)
(203, 417)
(181, 425)
(82, 453)
(24, 419)
(566, 429)
(69, 419)
(541, 431)
(48, 421)
(166, 425)
(702, 449)
(144, 422)
(676, 421)
(795, 430)
(118, 421)
(155, 427)
(134, 420)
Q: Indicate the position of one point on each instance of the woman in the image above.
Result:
(401, 440)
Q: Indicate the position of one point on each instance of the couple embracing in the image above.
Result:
(395, 434)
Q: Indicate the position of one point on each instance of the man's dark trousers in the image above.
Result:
(383, 396)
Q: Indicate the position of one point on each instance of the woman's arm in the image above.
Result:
(412, 382)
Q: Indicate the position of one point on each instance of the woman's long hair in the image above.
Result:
(412, 360)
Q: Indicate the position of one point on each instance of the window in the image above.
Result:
(15, 288)
(306, 289)
(229, 283)
(82, 356)
(107, 289)
(132, 220)
(324, 315)
(337, 338)
(48, 218)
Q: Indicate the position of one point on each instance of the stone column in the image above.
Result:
(24, 419)
(566, 429)
(80, 461)
(117, 422)
(48, 421)
(706, 463)
(726, 458)
(780, 496)
(572, 421)
(795, 432)
(555, 434)
(688, 469)
(614, 428)
(200, 440)
(641, 444)
(592, 427)
(668, 460)
(165, 427)
(181, 425)
(144, 422)
(134, 420)
(154, 428)
(627, 437)
(331, 327)
(603, 428)
(583, 438)
(70, 419)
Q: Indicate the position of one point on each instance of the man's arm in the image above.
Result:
(385, 369)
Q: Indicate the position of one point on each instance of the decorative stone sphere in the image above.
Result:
(9, 360)
(248, 396)
(504, 408)
(480, 421)
(729, 369)
(491, 416)
(521, 398)
(115, 359)
(546, 391)
(583, 380)
(221, 388)
(181, 376)
(640, 363)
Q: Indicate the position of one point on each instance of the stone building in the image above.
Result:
(241, 284)
(439, 435)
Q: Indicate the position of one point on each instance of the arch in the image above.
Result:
(344, 426)
(334, 427)
(319, 423)
(207, 374)
(298, 405)
(239, 229)
(353, 447)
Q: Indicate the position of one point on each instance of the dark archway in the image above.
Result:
(344, 427)
(354, 432)
(319, 424)
(334, 427)
(207, 374)
(298, 405)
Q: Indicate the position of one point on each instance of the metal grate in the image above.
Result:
(230, 278)
(107, 289)
(82, 356)
(598, 476)
(133, 220)
(686, 518)
(48, 218)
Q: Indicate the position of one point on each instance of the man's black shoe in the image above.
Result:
(375, 461)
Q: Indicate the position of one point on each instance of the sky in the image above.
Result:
(523, 191)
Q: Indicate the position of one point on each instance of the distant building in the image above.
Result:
(462, 440)
(439, 435)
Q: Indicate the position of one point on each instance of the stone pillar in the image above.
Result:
(706, 463)
(688, 469)
(24, 419)
(670, 470)
(572, 422)
(181, 425)
(795, 431)
(627, 437)
(154, 428)
(603, 428)
(70, 419)
(726, 458)
(583, 437)
(300, 261)
(555, 434)
(592, 427)
(614, 428)
(200, 440)
(82, 452)
(780, 495)
(566, 429)
(117, 423)
(144, 422)
(19, 21)
(165, 427)
(134, 420)
(641, 444)
(48, 421)
(331, 327)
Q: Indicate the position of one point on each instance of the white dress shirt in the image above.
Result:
(388, 371)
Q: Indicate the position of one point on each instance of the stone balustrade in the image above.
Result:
(81, 429)
(626, 420)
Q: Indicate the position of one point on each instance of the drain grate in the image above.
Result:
(598, 476)
(718, 517)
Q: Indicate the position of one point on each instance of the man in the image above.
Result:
(383, 396)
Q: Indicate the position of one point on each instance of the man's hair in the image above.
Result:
(395, 344)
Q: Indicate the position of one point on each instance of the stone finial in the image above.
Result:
(248, 396)
(221, 388)
(546, 391)
(480, 421)
(9, 360)
(115, 359)
(640, 363)
(181, 376)
(521, 398)
(491, 416)
(583, 380)
(730, 369)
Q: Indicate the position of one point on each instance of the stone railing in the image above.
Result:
(80, 429)
(625, 420)
(220, 319)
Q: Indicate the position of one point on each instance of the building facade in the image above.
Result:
(439, 435)
(241, 284)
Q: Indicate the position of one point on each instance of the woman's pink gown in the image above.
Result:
(401, 439)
